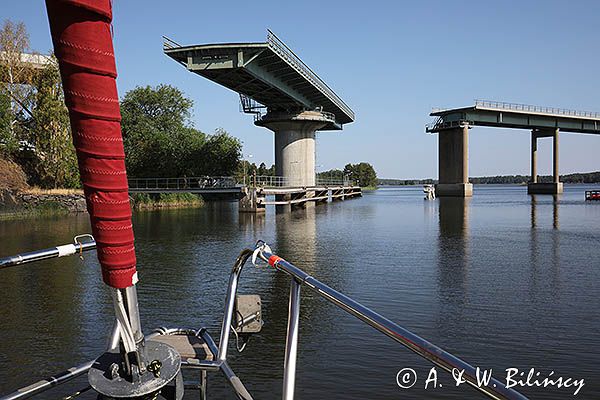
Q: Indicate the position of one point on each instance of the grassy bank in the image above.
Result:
(369, 188)
(144, 201)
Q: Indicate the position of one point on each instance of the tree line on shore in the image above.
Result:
(159, 137)
(578, 177)
(362, 173)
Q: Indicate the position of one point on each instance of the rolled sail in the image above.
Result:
(82, 37)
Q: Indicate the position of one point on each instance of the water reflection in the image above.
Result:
(535, 199)
(544, 261)
(251, 223)
(453, 257)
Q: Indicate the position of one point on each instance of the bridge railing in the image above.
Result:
(537, 109)
(330, 181)
(291, 58)
(272, 181)
(182, 184)
(226, 182)
(282, 181)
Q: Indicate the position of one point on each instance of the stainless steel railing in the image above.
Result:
(434, 354)
(80, 244)
(298, 279)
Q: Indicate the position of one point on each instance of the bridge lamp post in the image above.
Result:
(244, 159)
(317, 168)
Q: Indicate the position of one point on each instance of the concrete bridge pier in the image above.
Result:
(252, 201)
(453, 165)
(535, 187)
(295, 143)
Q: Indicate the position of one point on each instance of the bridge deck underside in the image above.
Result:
(509, 119)
(263, 74)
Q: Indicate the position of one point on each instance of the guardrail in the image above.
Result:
(226, 182)
(282, 181)
(270, 181)
(537, 109)
(182, 184)
(327, 181)
(292, 59)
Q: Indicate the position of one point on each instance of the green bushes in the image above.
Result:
(145, 201)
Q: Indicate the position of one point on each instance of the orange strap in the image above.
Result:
(273, 260)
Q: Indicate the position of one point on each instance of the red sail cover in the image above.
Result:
(81, 33)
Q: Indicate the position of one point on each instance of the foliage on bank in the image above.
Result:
(145, 201)
(159, 137)
(248, 169)
(34, 121)
(362, 173)
(160, 140)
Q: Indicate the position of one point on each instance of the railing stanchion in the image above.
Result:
(291, 343)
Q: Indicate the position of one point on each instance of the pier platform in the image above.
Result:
(256, 199)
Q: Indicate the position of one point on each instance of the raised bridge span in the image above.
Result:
(274, 84)
(453, 126)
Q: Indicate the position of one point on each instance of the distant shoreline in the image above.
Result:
(574, 178)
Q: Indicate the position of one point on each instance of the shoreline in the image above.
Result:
(40, 203)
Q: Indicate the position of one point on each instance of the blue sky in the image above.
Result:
(391, 61)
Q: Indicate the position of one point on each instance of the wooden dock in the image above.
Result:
(255, 199)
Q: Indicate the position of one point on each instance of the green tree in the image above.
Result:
(220, 155)
(16, 86)
(262, 169)
(160, 139)
(8, 143)
(331, 175)
(155, 123)
(56, 163)
(363, 173)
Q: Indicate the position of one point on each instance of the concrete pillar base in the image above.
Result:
(295, 143)
(251, 201)
(545, 188)
(454, 190)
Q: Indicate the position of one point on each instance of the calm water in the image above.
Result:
(502, 280)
